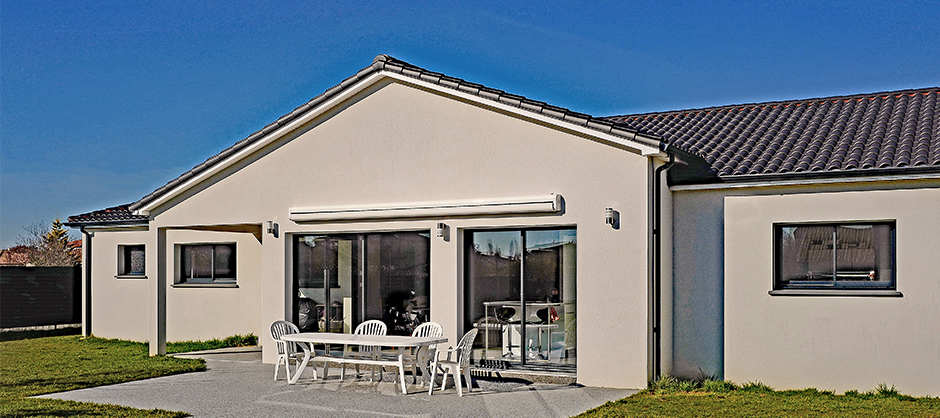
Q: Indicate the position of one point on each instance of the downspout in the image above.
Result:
(657, 263)
(86, 283)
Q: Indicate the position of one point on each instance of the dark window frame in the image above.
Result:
(852, 283)
(364, 278)
(216, 278)
(125, 257)
(525, 294)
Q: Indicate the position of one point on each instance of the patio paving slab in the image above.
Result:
(237, 384)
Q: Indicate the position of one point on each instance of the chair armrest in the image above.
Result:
(449, 351)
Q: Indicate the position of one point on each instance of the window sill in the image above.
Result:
(836, 292)
(131, 276)
(216, 285)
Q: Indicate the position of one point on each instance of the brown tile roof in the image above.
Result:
(835, 135)
(118, 215)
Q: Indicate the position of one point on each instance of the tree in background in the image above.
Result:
(49, 247)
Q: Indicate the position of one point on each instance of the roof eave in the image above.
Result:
(123, 223)
(808, 177)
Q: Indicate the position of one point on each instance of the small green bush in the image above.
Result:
(667, 384)
(688, 386)
(756, 387)
(664, 385)
(883, 391)
(233, 341)
(718, 386)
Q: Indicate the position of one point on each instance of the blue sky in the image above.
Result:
(101, 102)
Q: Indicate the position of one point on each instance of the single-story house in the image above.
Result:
(790, 242)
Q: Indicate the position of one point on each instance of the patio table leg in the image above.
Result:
(303, 365)
(423, 358)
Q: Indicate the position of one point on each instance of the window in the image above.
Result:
(343, 280)
(131, 260)
(521, 294)
(207, 263)
(846, 256)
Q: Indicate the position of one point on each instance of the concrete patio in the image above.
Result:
(237, 384)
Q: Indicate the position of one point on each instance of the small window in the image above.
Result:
(846, 256)
(131, 261)
(207, 263)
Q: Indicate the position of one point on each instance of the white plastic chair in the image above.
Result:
(427, 329)
(458, 367)
(287, 351)
(370, 327)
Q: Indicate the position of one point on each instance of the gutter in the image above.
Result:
(656, 326)
(86, 283)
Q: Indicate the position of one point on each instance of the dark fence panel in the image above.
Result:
(33, 296)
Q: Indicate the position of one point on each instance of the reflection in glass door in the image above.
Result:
(343, 280)
(326, 271)
(521, 295)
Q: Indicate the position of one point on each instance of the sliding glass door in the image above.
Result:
(326, 276)
(521, 294)
(342, 280)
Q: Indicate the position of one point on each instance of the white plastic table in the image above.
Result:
(393, 341)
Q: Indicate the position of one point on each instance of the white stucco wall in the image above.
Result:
(398, 143)
(204, 313)
(835, 343)
(119, 306)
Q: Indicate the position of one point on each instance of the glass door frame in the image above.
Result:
(468, 243)
(366, 301)
(357, 280)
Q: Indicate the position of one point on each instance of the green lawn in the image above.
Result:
(724, 399)
(33, 366)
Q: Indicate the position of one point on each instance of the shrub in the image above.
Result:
(666, 384)
(233, 341)
(883, 391)
(756, 387)
(718, 386)
(241, 340)
(687, 385)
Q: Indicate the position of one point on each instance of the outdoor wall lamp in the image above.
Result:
(612, 218)
(440, 229)
(271, 227)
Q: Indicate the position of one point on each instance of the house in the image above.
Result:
(19, 255)
(759, 290)
(14, 256)
(785, 242)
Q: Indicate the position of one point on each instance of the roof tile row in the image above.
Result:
(116, 215)
(879, 130)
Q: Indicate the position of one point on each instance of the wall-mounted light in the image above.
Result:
(440, 229)
(270, 227)
(612, 218)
